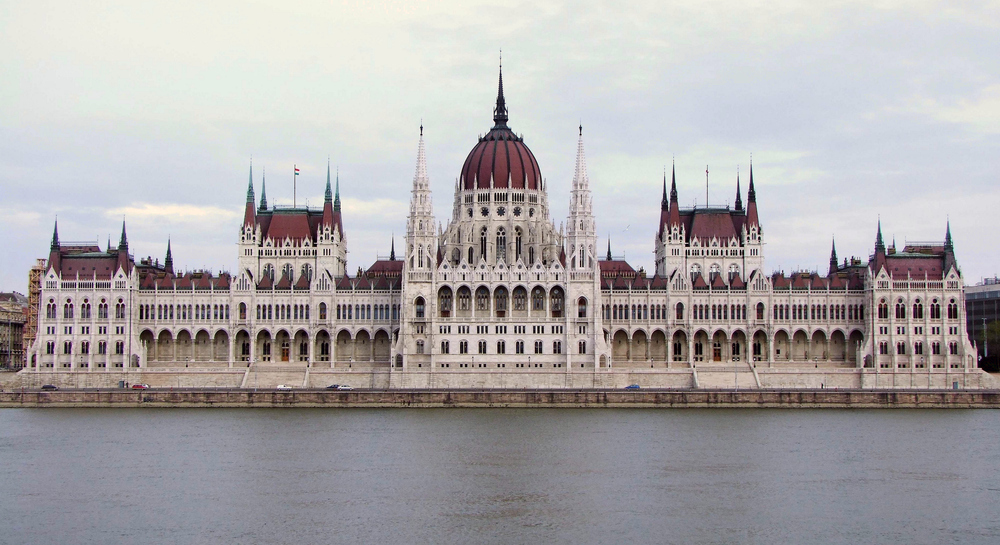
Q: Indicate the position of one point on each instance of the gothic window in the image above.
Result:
(734, 271)
(500, 301)
(68, 310)
(581, 308)
(760, 311)
(482, 299)
(918, 310)
(531, 255)
(557, 302)
(307, 272)
(538, 299)
(286, 271)
(269, 271)
(900, 310)
(695, 271)
(713, 272)
(501, 244)
(419, 304)
(680, 311)
(464, 297)
(444, 301)
(520, 298)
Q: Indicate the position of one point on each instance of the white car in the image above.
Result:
(345, 387)
(283, 387)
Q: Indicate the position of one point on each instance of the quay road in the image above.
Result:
(540, 398)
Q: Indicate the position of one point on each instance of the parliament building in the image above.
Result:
(500, 293)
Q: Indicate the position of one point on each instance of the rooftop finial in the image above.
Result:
(609, 246)
(739, 199)
(250, 186)
(879, 244)
(392, 248)
(500, 112)
(948, 244)
(664, 203)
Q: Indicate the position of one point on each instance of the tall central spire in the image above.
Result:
(500, 112)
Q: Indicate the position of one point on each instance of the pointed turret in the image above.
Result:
(123, 259)
(392, 249)
(55, 236)
(123, 241)
(833, 258)
(609, 249)
(500, 112)
(263, 192)
(675, 211)
(879, 260)
(949, 250)
(581, 232)
(739, 199)
(664, 208)
(168, 262)
(327, 220)
(55, 260)
(421, 240)
(249, 215)
(752, 219)
(337, 221)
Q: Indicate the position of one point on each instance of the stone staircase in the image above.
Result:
(726, 377)
(268, 376)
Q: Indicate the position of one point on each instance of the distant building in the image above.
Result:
(13, 314)
(982, 307)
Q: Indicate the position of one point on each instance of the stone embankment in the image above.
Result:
(582, 398)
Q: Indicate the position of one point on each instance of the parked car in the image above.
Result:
(140, 386)
(344, 387)
(49, 387)
(333, 387)
(283, 387)
(632, 387)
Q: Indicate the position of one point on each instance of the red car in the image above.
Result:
(140, 386)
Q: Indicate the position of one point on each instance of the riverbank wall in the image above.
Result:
(249, 398)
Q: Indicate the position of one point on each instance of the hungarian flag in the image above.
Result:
(296, 170)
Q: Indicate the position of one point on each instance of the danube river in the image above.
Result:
(499, 476)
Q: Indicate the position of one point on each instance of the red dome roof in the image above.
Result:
(501, 156)
(504, 157)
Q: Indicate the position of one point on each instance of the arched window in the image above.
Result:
(900, 310)
(520, 298)
(470, 255)
(501, 245)
(286, 271)
(680, 311)
(243, 311)
(581, 307)
(538, 299)
(557, 302)
(918, 310)
(482, 299)
(464, 298)
(444, 301)
(307, 272)
(322, 311)
(419, 304)
(500, 301)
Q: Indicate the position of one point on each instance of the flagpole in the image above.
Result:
(294, 172)
(706, 186)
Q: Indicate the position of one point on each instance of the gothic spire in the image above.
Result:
(500, 112)
(392, 249)
(739, 199)
(949, 246)
(123, 242)
(336, 197)
(263, 191)
(751, 193)
(673, 182)
(55, 236)
(580, 179)
(609, 248)
(250, 197)
(664, 203)
(833, 256)
(879, 244)
(168, 262)
(328, 196)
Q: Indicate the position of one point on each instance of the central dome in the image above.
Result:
(501, 156)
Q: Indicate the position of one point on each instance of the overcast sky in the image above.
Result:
(152, 110)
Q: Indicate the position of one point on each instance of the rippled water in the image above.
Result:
(499, 476)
